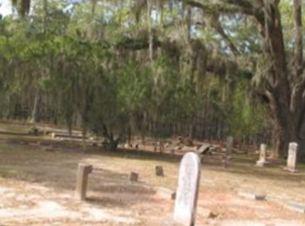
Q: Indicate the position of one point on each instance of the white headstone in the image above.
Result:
(262, 155)
(292, 156)
(187, 191)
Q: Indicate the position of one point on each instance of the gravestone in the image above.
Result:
(159, 145)
(133, 176)
(159, 171)
(292, 157)
(204, 148)
(262, 156)
(228, 151)
(82, 180)
(187, 191)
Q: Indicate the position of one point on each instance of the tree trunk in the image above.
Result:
(35, 108)
(278, 90)
(129, 136)
(150, 33)
(84, 134)
(70, 128)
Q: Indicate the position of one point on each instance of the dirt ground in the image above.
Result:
(37, 188)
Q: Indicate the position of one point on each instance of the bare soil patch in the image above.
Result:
(37, 188)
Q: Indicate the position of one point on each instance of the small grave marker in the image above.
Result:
(292, 157)
(262, 156)
(82, 180)
(187, 191)
(133, 177)
(159, 171)
(203, 149)
(252, 195)
(228, 151)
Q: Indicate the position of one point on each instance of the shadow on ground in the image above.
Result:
(58, 169)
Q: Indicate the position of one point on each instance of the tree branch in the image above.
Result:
(232, 7)
(217, 26)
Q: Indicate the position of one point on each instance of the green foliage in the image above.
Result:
(90, 68)
(134, 87)
(247, 117)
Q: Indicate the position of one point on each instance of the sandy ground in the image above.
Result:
(37, 188)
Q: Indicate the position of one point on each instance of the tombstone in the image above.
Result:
(161, 147)
(53, 135)
(262, 156)
(292, 157)
(82, 180)
(155, 147)
(173, 196)
(187, 191)
(204, 148)
(133, 177)
(229, 146)
(167, 145)
(159, 171)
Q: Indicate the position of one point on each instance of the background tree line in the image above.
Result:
(159, 68)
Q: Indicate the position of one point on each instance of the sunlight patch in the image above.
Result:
(99, 215)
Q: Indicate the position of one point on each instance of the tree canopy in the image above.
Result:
(205, 69)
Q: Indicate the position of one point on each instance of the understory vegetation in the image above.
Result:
(158, 68)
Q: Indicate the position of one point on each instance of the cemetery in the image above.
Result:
(40, 185)
(152, 113)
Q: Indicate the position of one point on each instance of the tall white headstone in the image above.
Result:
(292, 157)
(187, 191)
(262, 155)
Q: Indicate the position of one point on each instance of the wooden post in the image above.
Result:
(82, 180)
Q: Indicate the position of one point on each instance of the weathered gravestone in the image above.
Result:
(187, 191)
(159, 171)
(292, 157)
(133, 176)
(228, 151)
(203, 149)
(262, 156)
(82, 180)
